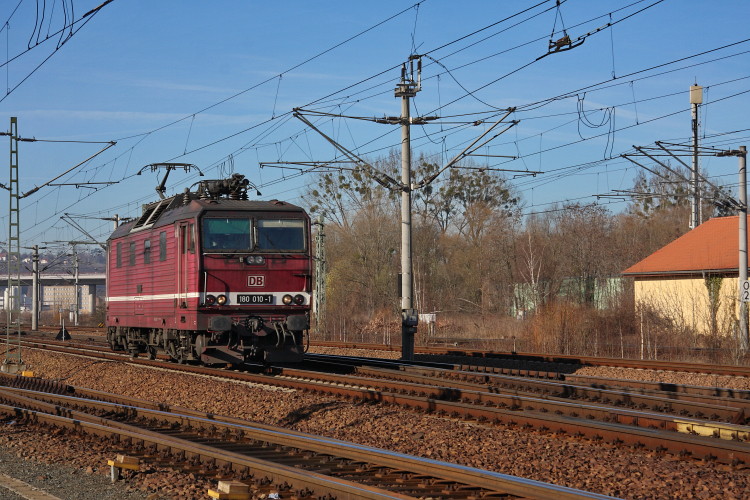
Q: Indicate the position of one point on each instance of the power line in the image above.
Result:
(267, 127)
(588, 87)
(288, 70)
(521, 157)
(85, 19)
(342, 42)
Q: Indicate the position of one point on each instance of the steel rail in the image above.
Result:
(676, 398)
(682, 442)
(556, 392)
(616, 392)
(192, 451)
(542, 359)
(481, 396)
(731, 370)
(542, 372)
(426, 471)
(676, 390)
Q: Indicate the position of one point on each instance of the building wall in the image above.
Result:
(685, 301)
(64, 296)
(602, 294)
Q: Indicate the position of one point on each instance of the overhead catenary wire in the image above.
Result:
(545, 150)
(291, 139)
(397, 14)
(83, 21)
(533, 153)
(288, 70)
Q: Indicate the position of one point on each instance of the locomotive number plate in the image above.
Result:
(255, 299)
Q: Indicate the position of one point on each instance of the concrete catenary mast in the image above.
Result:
(696, 215)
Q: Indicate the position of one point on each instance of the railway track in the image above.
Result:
(524, 364)
(271, 458)
(558, 397)
(700, 426)
(558, 363)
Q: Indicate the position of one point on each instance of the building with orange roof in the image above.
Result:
(693, 280)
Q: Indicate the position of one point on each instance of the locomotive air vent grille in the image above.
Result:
(142, 220)
(160, 208)
(150, 215)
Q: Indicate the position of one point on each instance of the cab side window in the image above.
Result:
(163, 246)
(131, 256)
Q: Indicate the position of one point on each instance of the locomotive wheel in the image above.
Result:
(181, 355)
(175, 352)
(200, 345)
(151, 353)
(112, 340)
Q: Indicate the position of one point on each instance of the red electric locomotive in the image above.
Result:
(209, 275)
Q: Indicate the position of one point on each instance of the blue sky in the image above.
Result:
(203, 82)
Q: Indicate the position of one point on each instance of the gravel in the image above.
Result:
(20, 458)
(667, 377)
(559, 459)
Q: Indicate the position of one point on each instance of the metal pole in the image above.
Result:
(407, 338)
(696, 98)
(35, 289)
(77, 302)
(13, 362)
(694, 214)
(744, 339)
(320, 277)
(406, 89)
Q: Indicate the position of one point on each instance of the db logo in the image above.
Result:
(256, 281)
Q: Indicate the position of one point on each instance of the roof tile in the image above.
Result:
(714, 245)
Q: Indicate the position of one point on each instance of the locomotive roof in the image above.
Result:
(167, 211)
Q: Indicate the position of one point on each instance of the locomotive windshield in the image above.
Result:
(231, 234)
(280, 234)
(226, 234)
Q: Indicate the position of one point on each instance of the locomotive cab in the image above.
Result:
(255, 266)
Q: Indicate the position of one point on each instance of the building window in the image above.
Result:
(131, 257)
(163, 245)
(147, 252)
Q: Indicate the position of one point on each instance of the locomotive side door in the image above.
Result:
(185, 247)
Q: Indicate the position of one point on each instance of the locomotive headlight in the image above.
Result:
(299, 299)
(221, 300)
(286, 299)
(210, 300)
(255, 259)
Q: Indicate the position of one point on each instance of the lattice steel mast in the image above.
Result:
(13, 362)
(320, 277)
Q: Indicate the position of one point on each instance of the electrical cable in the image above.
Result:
(84, 19)
(6, 24)
(265, 123)
(288, 70)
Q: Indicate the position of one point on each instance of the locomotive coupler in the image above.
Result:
(255, 325)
